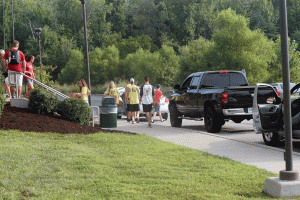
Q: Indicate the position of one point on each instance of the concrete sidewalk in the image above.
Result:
(262, 156)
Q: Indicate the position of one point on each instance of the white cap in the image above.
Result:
(131, 80)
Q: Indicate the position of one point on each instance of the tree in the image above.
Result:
(194, 57)
(74, 69)
(161, 66)
(236, 47)
(275, 66)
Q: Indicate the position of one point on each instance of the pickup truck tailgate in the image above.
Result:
(240, 97)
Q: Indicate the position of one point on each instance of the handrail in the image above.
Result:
(43, 85)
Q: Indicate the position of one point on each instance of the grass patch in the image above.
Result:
(118, 166)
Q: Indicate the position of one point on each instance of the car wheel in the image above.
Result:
(165, 116)
(174, 116)
(213, 123)
(271, 139)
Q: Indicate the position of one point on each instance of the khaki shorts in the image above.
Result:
(14, 79)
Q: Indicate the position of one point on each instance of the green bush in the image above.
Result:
(2, 103)
(75, 110)
(42, 101)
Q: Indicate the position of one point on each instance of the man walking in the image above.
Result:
(147, 97)
(131, 95)
(16, 63)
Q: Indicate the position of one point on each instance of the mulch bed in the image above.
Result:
(22, 119)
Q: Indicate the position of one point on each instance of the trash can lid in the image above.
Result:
(108, 101)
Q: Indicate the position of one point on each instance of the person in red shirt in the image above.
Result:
(20, 67)
(158, 95)
(29, 72)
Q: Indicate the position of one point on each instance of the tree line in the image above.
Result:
(165, 39)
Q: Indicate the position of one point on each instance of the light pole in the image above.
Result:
(288, 184)
(38, 33)
(12, 17)
(3, 26)
(86, 47)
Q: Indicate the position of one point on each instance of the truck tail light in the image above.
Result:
(224, 98)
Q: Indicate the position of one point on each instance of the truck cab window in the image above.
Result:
(186, 83)
(195, 82)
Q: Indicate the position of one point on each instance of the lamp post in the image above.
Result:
(86, 47)
(3, 26)
(12, 17)
(38, 33)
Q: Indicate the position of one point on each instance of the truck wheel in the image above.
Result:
(165, 116)
(175, 121)
(271, 139)
(213, 123)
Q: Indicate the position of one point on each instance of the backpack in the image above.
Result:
(13, 57)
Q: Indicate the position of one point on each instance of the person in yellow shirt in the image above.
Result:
(132, 97)
(84, 91)
(112, 91)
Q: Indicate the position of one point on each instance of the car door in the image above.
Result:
(183, 99)
(266, 110)
(191, 96)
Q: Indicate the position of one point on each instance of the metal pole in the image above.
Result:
(287, 174)
(86, 48)
(13, 23)
(39, 38)
(3, 27)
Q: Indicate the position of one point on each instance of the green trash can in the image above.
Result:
(108, 113)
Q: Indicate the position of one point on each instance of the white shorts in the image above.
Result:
(6, 81)
(14, 79)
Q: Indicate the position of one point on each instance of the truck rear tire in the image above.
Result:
(213, 123)
(175, 121)
(271, 139)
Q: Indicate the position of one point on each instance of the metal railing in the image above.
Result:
(95, 109)
(37, 82)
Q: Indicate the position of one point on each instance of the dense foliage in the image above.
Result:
(165, 39)
(43, 102)
(75, 110)
(2, 102)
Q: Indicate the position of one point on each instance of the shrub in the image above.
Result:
(42, 101)
(75, 110)
(2, 103)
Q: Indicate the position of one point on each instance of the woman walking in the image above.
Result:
(29, 72)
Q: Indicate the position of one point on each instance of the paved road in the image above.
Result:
(235, 141)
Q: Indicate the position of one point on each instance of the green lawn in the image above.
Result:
(118, 166)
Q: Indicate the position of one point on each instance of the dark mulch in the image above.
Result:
(22, 119)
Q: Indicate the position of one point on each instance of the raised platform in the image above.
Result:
(19, 102)
(282, 189)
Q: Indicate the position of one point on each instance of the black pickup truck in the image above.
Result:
(216, 96)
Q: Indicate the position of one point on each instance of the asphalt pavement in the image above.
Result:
(256, 154)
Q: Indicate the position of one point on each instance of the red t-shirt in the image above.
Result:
(29, 68)
(158, 95)
(17, 67)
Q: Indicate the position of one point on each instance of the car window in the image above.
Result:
(186, 83)
(195, 82)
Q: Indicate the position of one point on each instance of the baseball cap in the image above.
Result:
(131, 80)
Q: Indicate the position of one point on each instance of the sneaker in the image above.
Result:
(137, 120)
(149, 125)
(133, 122)
(152, 121)
(162, 120)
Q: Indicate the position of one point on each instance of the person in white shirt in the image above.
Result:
(147, 97)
